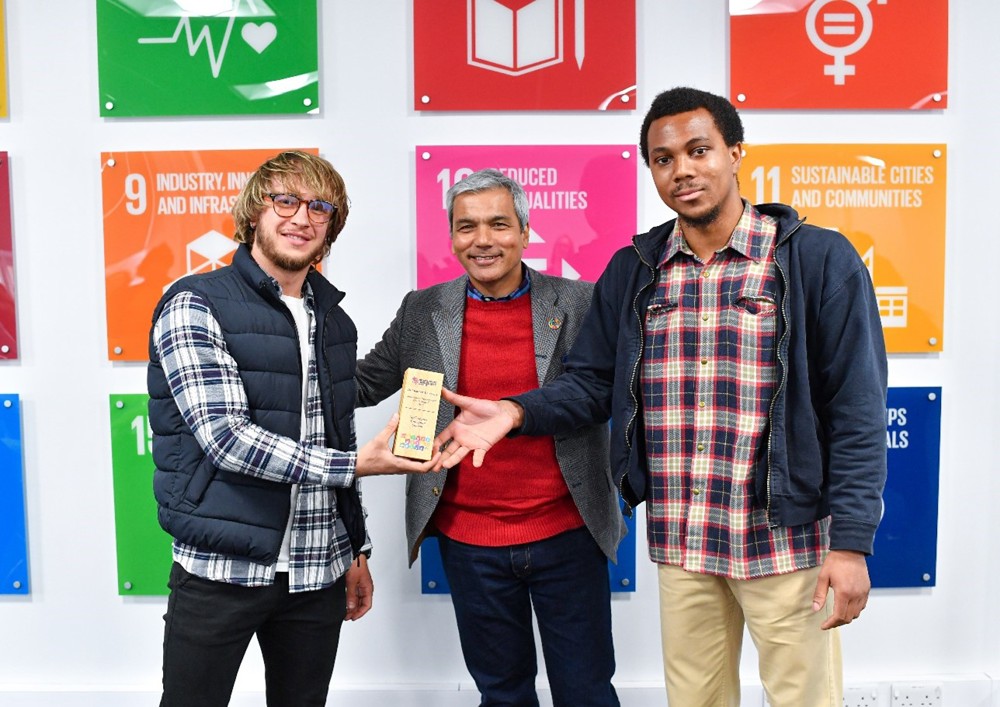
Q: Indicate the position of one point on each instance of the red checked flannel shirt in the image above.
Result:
(708, 376)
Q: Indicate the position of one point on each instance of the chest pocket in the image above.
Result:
(751, 320)
(661, 327)
(758, 306)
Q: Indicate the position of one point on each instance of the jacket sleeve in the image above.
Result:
(851, 369)
(380, 374)
(581, 395)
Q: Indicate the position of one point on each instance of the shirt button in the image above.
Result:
(696, 492)
(704, 317)
(436, 491)
(704, 362)
(701, 447)
(701, 403)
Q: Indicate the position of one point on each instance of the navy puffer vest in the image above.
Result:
(235, 514)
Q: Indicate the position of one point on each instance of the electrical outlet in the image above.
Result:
(925, 695)
(861, 696)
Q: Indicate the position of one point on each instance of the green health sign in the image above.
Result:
(207, 57)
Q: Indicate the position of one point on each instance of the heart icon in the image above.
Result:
(259, 37)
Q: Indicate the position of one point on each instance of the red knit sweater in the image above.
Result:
(518, 495)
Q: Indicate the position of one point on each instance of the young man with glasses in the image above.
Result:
(251, 384)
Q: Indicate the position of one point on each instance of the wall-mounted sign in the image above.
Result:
(906, 541)
(13, 525)
(8, 291)
(851, 54)
(212, 57)
(581, 200)
(524, 55)
(889, 200)
(144, 549)
(3, 61)
(166, 215)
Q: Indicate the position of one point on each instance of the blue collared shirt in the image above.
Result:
(522, 289)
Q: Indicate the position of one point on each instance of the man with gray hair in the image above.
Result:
(534, 526)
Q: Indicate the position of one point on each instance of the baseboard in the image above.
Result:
(978, 690)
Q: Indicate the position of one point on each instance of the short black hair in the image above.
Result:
(684, 99)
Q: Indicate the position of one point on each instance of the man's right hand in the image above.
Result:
(377, 458)
(478, 425)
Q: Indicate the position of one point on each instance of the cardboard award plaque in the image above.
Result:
(419, 399)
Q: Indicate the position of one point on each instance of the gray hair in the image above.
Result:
(484, 180)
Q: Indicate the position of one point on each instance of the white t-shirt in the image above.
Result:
(297, 306)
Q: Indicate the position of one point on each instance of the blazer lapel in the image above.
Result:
(447, 319)
(547, 318)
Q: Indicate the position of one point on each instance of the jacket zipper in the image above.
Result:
(635, 369)
(784, 376)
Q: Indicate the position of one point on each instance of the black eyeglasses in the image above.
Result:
(286, 205)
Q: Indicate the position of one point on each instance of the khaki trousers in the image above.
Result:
(701, 623)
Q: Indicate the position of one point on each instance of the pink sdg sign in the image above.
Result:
(581, 198)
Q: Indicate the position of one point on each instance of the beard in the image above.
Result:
(289, 263)
(705, 219)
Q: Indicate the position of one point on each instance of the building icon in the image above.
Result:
(205, 253)
(893, 302)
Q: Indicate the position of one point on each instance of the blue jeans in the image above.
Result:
(209, 626)
(565, 580)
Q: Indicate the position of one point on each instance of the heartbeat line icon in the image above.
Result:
(184, 25)
(215, 58)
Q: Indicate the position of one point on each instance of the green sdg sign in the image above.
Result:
(207, 57)
(144, 549)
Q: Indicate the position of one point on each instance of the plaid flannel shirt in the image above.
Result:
(708, 376)
(205, 382)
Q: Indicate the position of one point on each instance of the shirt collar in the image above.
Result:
(307, 292)
(745, 240)
(523, 288)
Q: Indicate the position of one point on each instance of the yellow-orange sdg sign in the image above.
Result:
(166, 215)
(889, 201)
(3, 60)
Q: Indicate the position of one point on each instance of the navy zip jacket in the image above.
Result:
(826, 440)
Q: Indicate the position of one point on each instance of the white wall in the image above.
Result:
(75, 633)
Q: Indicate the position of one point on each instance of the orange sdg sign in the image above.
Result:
(166, 215)
(889, 201)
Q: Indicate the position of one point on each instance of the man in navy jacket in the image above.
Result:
(739, 354)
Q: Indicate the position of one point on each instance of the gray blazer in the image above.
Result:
(427, 334)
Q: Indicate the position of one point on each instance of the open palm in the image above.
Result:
(478, 425)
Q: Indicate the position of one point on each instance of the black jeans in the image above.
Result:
(564, 579)
(209, 626)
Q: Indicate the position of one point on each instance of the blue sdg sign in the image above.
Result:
(906, 541)
(13, 528)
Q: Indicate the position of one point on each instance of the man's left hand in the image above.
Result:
(359, 589)
(846, 572)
